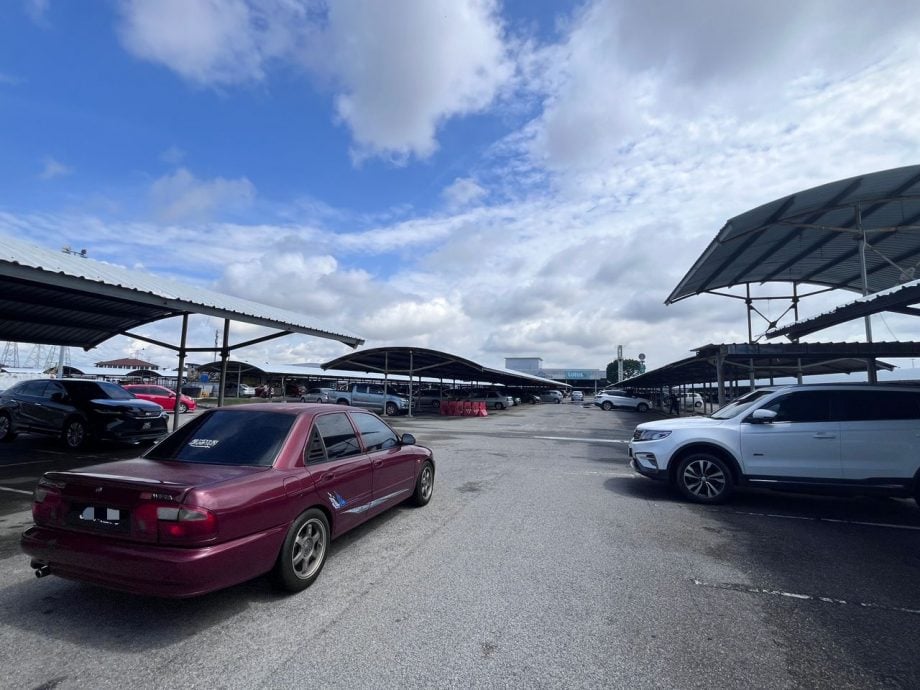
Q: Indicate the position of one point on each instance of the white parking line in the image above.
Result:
(733, 587)
(824, 519)
(584, 440)
(15, 491)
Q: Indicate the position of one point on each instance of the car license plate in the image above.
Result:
(98, 514)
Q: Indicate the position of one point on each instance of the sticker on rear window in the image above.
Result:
(203, 442)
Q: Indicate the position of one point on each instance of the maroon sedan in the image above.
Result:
(234, 494)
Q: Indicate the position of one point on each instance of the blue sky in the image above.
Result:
(519, 178)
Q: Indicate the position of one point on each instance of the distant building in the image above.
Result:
(534, 366)
(127, 363)
(527, 365)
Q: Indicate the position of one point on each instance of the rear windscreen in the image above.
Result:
(227, 437)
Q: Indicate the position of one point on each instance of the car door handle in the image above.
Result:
(378, 463)
(825, 436)
(328, 476)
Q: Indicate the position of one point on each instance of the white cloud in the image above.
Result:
(208, 42)
(399, 69)
(404, 67)
(462, 192)
(53, 168)
(182, 196)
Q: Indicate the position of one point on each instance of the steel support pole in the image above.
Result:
(181, 371)
(224, 356)
(870, 362)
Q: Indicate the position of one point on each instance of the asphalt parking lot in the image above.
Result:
(542, 561)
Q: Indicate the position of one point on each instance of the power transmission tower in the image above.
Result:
(10, 355)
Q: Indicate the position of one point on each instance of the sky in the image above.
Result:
(493, 179)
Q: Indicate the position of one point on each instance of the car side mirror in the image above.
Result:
(762, 416)
(407, 440)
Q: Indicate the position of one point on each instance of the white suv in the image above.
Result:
(853, 438)
(609, 399)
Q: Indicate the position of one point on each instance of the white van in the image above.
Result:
(830, 437)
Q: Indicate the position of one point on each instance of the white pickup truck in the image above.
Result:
(372, 397)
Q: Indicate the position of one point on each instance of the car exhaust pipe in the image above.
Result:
(42, 571)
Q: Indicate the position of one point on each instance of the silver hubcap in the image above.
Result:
(425, 483)
(309, 547)
(704, 478)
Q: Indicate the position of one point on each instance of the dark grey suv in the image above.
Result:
(78, 411)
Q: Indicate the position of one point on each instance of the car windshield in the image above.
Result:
(733, 409)
(93, 390)
(227, 437)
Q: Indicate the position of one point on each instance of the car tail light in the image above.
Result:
(172, 524)
(47, 501)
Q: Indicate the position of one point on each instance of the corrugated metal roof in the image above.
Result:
(812, 237)
(54, 298)
(894, 299)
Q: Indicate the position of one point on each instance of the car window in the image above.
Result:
(869, 405)
(801, 406)
(54, 391)
(338, 435)
(374, 432)
(733, 409)
(227, 437)
(315, 451)
(35, 388)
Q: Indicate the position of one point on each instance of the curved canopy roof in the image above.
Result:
(55, 298)
(417, 361)
(813, 236)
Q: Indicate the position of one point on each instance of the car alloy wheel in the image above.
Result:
(183, 408)
(6, 427)
(75, 434)
(424, 485)
(642, 407)
(704, 478)
(303, 553)
(607, 405)
(391, 409)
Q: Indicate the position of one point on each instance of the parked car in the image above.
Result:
(78, 411)
(497, 400)
(319, 395)
(371, 396)
(578, 396)
(550, 396)
(428, 397)
(162, 396)
(690, 401)
(236, 493)
(842, 438)
(609, 399)
(234, 390)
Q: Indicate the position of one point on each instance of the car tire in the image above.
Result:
(342, 401)
(391, 409)
(641, 407)
(704, 478)
(424, 485)
(6, 427)
(499, 406)
(183, 408)
(436, 404)
(303, 553)
(75, 434)
(698, 404)
(607, 405)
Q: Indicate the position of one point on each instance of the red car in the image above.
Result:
(236, 493)
(162, 396)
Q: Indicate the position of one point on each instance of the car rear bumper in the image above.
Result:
(152, 570)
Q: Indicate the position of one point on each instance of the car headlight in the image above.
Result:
(650, 435)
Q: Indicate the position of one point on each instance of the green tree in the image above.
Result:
(631, 367)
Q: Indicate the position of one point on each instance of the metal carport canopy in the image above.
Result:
(417, 361)
(54, 298)
(896, 299)
(769, 360)
(814, 236)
